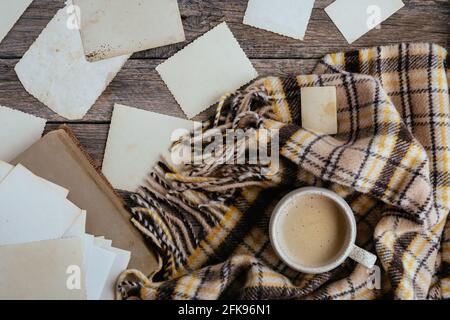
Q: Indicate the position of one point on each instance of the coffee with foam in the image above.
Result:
(313, 230)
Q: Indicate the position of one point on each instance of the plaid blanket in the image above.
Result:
(390, 162)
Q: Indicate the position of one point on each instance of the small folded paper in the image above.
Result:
(211, 66)
(354, 18)
(59, 158)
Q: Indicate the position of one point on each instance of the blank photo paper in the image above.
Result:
(211, 66)
(55, 71)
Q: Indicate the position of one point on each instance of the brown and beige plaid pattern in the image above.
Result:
(390, 161)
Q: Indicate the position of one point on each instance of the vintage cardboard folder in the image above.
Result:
(59, 158)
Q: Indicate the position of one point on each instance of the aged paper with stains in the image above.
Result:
(55, 71)
(114, 28)
(32, 210)
(319, 109)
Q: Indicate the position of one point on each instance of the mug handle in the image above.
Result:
(363, 257)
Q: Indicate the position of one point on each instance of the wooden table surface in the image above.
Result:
(139, 85)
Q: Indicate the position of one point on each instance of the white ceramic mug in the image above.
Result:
(350, 249)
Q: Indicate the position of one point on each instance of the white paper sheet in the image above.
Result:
(39, 270)
(136, 140)
(114, 28)
(6, 168)
(10, 12)
(31, 210)
(18, 131)
(98, 263)
(78, 228)
(354, 18)
(289, 18)
(211, 66)
(55, 71)
(120, 265)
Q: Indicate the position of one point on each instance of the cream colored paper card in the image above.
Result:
(43, 270)
(114, 28)
(206, 69)
(98, 265)
(6, 168)
(55, 71)
(102, 242)
(120, 264)
(10, 12)
(354, 18)
(78, 228)
(136, 140)
(289, 18)
(18, 131)
(32, 210)
(319, 109)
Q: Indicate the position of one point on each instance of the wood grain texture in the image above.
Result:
(419, 20)
(140, 86)
(137, 84)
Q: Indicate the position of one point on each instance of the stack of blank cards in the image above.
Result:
(44, 250)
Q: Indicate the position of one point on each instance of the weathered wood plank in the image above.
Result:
(138, 85)
(418, 21)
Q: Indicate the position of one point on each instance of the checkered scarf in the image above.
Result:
(390, 162)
